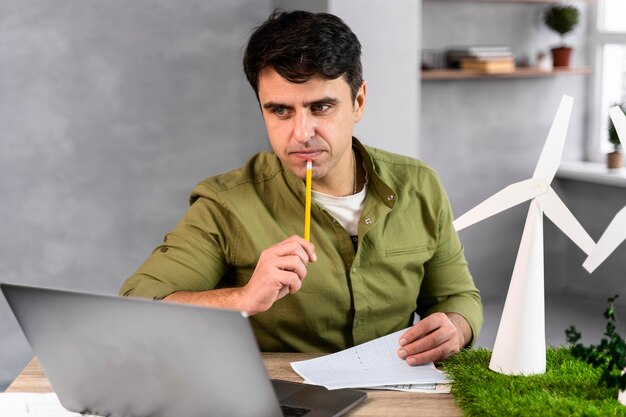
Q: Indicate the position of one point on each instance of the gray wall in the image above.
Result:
(110, 112)
(481, 135)
(389, 32)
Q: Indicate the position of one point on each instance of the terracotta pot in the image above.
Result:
(561, 56)
(614, 160)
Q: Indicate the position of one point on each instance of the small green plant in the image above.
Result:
(609, 355)
(613, 137)
(561, 18)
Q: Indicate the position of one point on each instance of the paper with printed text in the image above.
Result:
(370, 364)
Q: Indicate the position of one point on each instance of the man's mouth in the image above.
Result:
(306, 154)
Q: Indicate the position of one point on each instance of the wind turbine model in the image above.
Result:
(520, 346)
(615, 233)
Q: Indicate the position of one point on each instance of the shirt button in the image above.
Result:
(354, 269)
(368, 221)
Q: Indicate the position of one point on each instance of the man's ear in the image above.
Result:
(359, 102)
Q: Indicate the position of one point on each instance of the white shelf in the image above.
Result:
(592, 172)
(513, 1)
(521, 72)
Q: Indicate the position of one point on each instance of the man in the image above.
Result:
(382, 241)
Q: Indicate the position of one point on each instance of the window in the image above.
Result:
(613, 18)
(609, 45)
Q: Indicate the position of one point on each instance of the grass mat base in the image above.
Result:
(568, 388)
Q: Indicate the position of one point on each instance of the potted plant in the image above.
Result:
(562, 19)
(614, 159)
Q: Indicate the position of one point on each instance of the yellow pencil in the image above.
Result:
(307, 203)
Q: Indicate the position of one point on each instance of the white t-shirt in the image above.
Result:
(346, 210)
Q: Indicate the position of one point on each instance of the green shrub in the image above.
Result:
(561, 18)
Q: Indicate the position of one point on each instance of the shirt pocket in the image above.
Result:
(420, 252)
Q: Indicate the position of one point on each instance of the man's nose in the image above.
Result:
(304, 127)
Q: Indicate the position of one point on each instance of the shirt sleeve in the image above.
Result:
(448, 286)
(192, 257)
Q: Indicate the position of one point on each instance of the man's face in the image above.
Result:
(313, 120)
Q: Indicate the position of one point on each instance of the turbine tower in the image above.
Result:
(520, 346)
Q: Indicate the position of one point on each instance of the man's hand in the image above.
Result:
(433, 338)
(280, 271)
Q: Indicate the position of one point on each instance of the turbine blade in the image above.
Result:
(557, 211)
(550, 158)
(508, 197)
(614, 234)
(619, 121)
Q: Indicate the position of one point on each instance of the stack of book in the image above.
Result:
(487, 59)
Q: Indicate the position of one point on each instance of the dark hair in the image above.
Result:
(300, 45)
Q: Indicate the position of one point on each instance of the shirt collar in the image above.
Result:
(375, 183)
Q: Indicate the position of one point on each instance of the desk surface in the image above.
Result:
(378, 403)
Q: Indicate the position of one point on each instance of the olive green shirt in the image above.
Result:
(409, 257)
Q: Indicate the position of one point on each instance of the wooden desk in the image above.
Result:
(378, 403)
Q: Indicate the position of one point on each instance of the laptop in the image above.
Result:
(128, 357)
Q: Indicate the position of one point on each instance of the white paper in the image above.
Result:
(550, 157)
(520, 346)
(17, 404)
(504, 199)
(612, 237)
(370, 364)
(421, 388)
(619, 122)
(557, 211)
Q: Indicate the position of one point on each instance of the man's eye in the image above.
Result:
(280, 111)
(319, 107)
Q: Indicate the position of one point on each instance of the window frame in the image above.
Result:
(598, 39)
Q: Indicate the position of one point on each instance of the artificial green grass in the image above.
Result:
(568, 388)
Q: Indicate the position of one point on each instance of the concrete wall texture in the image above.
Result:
(110, 112)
